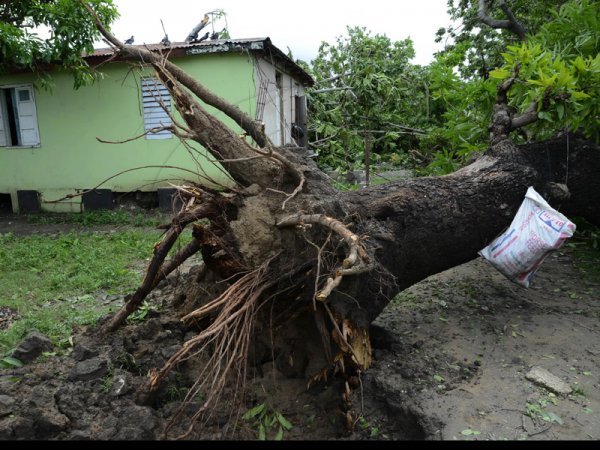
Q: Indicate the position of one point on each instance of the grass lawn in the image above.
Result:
(56, 282)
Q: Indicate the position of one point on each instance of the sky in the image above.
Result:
(301, 26)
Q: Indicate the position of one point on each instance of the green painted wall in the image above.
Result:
(70, 158)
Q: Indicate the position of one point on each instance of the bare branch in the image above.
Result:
(295, 192)
(135, 138)
(190, 249)
(511, 24)
(148, 284)
(529, 116)
(335, 77)
(330, 286)
(70, 196)
(322, 91)
(404, 127)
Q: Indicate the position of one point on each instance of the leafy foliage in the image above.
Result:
(557, 72)
(72, 33)
(478, 47)
(365, 87)
(461, 110)
(269, 423)
(368, 90)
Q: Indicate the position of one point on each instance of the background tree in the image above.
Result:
(556, 78)
(479, 47)
(366, 89)
(435, 119)
(72, 33)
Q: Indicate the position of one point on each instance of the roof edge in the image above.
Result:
(182, 49)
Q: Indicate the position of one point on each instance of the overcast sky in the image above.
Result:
(301, 26)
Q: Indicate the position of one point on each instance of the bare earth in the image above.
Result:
(482, 334)
(450, 359)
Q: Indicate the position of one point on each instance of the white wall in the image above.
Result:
(267, 93)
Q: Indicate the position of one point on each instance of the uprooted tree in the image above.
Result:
(303, 268)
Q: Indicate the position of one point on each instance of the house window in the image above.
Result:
(157, 106)
(18, 118)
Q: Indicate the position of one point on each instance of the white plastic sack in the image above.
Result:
(534, 233)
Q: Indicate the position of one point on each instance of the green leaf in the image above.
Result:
(262, 434)
(554, 418)
(578, 95)
(9, 361)
(284, 422)
(279, 435)
(499, 74)
(439, 378)
(253, 412)
(560, 109)
(469, 432)
(543, 115)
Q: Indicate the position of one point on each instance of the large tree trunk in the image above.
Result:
(308, 268)
(427, 225)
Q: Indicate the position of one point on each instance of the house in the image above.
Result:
(48, 138)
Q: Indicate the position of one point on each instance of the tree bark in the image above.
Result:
(424, 226)
(327, 262)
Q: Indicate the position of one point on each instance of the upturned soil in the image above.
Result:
(451, 356)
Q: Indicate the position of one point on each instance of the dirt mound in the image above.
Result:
(450, 359)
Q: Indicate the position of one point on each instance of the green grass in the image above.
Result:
(101, 217)
(53, 281)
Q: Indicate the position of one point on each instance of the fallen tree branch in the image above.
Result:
(252, 127)
(79, 194)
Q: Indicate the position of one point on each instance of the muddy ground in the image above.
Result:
(451, 356)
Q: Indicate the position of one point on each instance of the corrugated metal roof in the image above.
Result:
(204, 44)
(263, 45)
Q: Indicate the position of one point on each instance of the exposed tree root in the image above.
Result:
(211, 207)
(227, 340)
(351, 265)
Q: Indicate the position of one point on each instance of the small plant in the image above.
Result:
(107, 381)
(470, 432)
(176, 393)
(267, 421)
(537, 410)
(365, 425)
(578, 390)
(142, 313)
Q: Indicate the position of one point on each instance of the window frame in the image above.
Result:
(149, 109)
(4, 111)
